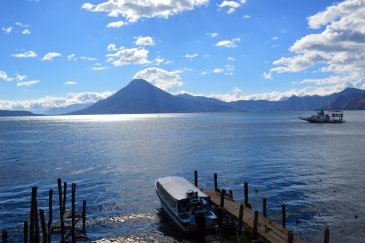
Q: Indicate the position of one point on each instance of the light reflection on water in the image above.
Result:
(315, 169)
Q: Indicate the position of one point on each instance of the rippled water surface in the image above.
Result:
(317, 170)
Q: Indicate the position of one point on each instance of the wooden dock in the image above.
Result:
(266, 229)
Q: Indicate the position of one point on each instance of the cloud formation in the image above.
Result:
(27, 54)
(116, 24)
(55, 102)
(339, 49)
(27, 83)
(123, 57)
(160, 77)
(231, 6)
(228, 43)
(144, 41)
(133, 11)
(50, 56)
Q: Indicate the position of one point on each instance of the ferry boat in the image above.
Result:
(182, 201)
(324, 117)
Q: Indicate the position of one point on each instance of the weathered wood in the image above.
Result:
(223, 194)
(73, 211)
(215, 182)
(327, 235)
(290, 236)
(196, 178)
(61, 209)
(283, 215)
(264, 207)
(26, 232)
(255, 222)
(84, 217)
(230, 194)
(34, 225)
(50, 214)
(64, 197)
(267, 229)
(240, 217)
(43, 226)
(245, 189)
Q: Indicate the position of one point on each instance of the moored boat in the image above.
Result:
(324, 117)
(185, 203)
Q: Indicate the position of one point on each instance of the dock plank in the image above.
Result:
(267, 229)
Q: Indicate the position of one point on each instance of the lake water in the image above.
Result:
(317, 170)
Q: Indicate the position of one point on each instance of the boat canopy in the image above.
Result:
(177, 187)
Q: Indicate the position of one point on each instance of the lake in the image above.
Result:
(317, 170)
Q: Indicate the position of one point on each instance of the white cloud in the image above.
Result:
(274, 38)
(191, 56)
(116, 24)
(4, 76)
(231, 59)
(112, 47)
(144, 41)
(20, 78)
(339, 49)
(70, 83)
(27, 54)
(133, 11)
(231, 5)
(74, 57)
(228, 43)
(218, 70)
(124, 57)
(27, 83)
(26, 32)
(7, 30)
(246, 16)
(160, 77)
(212, 35)
(50, 56)
(98, 67)
(55, 102)
(160, 60)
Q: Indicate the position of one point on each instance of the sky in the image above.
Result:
(55, 53)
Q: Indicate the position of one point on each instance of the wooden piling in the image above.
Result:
(215, 182)
(5, 236)
(34, 225)
(73, 188)
(290, 236)
(255, 221)
(43, 226)
(223, 194)
(327, 235)
(230, 194)
(264, 207)
(64, 197)
(283, 215)
(196, 178)
(50, 214)
(26, 233)
(84, 217)
(240, 217)
(61, 209)
(245, 189)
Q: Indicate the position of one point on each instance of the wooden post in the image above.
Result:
(5, 236)
(290, 236)
(215, 182)
(34, 226)
(246, 193)
(73, 188)
(50, 214)
(240, 217)
(196, 178)
(264, 207)
(230, 194)
(64, 197)
(283, 215)
(327, 235)
(255, 222)
(61, 210)
(43, 226)
(223, 193)
(25, 236)
(84, 217)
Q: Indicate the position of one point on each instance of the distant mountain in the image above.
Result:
(65, 110)
(139, 96)
(15, 113)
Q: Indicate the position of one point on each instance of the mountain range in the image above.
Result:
(139, 96)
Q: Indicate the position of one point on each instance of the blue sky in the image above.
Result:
(62, 52)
